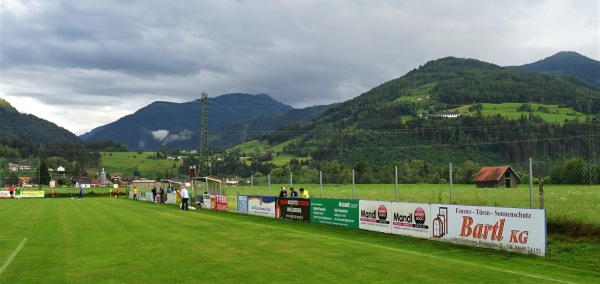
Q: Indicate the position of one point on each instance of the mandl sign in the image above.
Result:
(375, 215)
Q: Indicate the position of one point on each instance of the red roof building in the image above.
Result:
(497, 177)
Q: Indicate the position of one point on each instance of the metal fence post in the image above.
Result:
(291, 180)
(353, 193)
(269, 184)
(450, 183)
(321, 183)
(237, 190)
(396, 171)
(530, 182)
(541, 183)
(251, 183)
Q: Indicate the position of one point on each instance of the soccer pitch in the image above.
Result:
(108, 240)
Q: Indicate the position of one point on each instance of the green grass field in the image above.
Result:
(554, 114)
(127, 162)
(109, 240)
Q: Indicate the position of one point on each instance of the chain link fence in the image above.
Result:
(569, 190)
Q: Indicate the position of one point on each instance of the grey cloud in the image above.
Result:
(302, 53)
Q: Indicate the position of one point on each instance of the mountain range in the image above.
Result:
(233, 118)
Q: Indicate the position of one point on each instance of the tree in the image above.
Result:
(12, 178)
(44, 174)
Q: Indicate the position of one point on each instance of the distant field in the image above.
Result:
(419, 92)
(127, 162)
(122, 241)
(256, 146)
(554, 114)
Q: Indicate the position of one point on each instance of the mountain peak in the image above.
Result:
(566, 63)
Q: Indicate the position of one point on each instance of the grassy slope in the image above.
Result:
(554, 114)
(115, 241)
(125, 163)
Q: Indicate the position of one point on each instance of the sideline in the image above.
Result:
(431, 255)
(10, 258)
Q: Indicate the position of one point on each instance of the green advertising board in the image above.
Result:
(337, 212)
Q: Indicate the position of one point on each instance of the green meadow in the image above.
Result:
(107, 240)
(551, 114)
(128, 162)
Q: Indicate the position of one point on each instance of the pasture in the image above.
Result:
(129, 162)
(110, 240)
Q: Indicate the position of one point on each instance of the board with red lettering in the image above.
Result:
(515, 229)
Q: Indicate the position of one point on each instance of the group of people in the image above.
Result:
(293, 193)
(14, 191)
(158, 196)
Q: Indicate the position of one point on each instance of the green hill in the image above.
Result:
(398, 120)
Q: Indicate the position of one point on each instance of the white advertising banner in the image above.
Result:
(375, 215)
(411, 219)
(206, 201)
(4, 194)
(262, 206)
(515, 229)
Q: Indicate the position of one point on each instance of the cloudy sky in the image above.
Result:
(83, 64)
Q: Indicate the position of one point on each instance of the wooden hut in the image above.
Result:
(496, 177)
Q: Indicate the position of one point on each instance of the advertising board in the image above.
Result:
(243, 204)
(515, 229)
(294, 208)
(4, 194)
(32, 193)
(218, 202)
(411, 219)
(375, 215)
(262, 206)
(232, 201)
(337, 212)
(206, 201)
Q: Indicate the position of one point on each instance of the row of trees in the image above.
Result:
(566, 171)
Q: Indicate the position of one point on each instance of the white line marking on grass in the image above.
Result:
(450, 251)
(431, 255)
(10, 258)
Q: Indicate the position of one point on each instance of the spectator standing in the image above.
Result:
(80, 192)
(162, 195)
(154, 194)
(293, 192)
(283, 192)
(184, 199)
(304, 193)
(117, 191)
(135, 193)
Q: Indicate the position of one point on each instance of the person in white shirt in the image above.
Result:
(184, 199)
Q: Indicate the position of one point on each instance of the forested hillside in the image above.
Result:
(20, 126)
(177, 125)
(566, 63)
(397, 120)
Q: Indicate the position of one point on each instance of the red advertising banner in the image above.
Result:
(218, 202)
